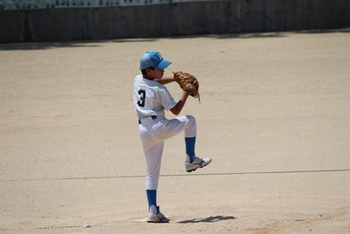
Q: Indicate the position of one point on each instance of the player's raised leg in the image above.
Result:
(187, 124)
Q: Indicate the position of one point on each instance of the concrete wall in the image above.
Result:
(173, 19)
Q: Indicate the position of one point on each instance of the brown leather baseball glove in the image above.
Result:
(188, 82)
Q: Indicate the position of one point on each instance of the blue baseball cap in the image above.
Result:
(153, 59)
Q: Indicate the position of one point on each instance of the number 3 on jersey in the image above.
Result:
(142, 100)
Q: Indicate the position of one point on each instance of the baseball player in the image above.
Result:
(151, 99)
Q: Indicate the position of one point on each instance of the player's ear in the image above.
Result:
(149, 70)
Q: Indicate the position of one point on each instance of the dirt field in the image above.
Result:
(274, 116)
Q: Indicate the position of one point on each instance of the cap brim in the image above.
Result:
(163, 64)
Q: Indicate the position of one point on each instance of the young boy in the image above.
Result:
(151, 99)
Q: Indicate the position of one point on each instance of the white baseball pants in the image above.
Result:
(153, 133)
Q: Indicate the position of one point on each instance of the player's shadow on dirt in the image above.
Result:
(211, 219)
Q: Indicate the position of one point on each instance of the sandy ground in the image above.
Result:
(274, 116)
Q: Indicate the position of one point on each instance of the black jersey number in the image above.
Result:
(142, 100)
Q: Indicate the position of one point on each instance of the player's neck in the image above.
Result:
(149, 78)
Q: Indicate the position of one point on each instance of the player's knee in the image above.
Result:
(191, 126)
(191, 120)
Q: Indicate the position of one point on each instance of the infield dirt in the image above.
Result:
(274, 116)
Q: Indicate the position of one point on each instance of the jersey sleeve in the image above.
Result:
(166, 99)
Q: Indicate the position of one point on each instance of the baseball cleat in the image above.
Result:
(197, 163)
(157, 218)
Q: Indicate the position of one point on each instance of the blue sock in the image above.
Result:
(190, 145)
(152, 198)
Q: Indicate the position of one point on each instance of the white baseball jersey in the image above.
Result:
(151, 98)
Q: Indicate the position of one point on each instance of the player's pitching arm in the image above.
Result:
(180, 104)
